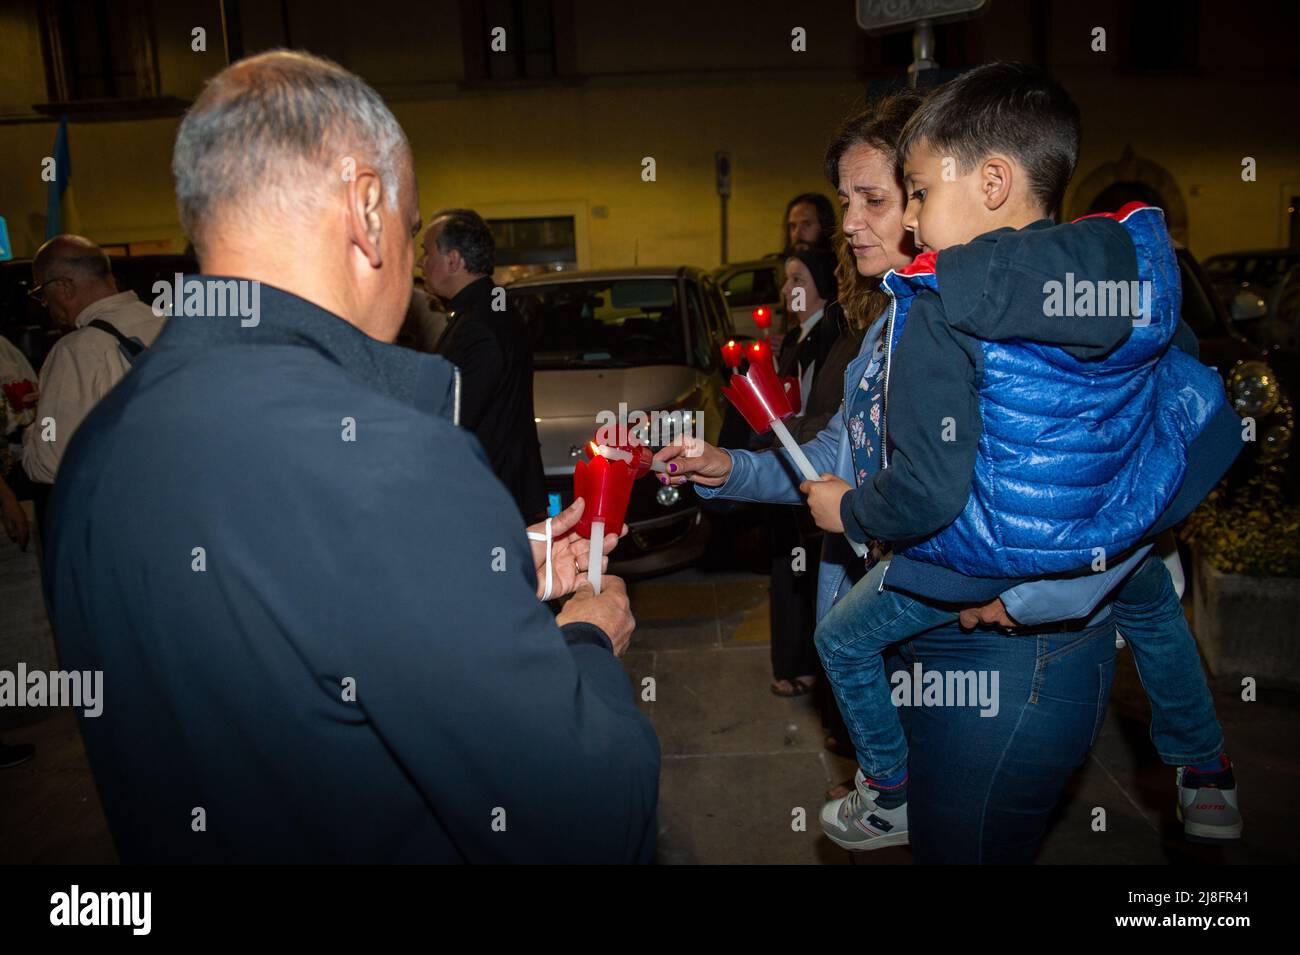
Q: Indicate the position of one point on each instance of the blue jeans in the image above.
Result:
(984, 778)
(1184, 728)
(850, 639)
(982, 788)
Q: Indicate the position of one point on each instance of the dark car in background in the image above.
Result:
(618, 342)
(1261, 270)
(750, 286)
(27, 324)
(1262, 380)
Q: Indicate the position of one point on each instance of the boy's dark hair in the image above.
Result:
(465, 231)
(1003, 107)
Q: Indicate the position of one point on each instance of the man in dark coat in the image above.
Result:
(485, 339)
(314, 607)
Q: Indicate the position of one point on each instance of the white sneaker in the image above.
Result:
(856, 823)
(1207, 805)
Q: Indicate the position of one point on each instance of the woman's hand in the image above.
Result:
(569, 556)
(696, 460)
(824, 498)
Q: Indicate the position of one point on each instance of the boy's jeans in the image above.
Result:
(854, 633)
(1147, 614)
(850, 639)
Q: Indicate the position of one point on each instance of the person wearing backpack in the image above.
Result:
(106, 331)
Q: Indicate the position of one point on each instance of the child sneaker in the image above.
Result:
(1207, 805)
(858, 824)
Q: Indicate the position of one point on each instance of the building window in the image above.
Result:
(98, 50)
(530, 39)
(538, 41)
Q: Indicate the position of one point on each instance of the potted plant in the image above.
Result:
(1246, 590)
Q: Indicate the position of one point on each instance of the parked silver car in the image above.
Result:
(641, 345)
(749, 287)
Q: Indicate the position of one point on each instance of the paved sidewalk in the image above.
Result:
(739, 761)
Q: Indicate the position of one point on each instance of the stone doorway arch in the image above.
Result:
(1130, 178)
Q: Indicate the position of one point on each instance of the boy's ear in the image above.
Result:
(997, 174)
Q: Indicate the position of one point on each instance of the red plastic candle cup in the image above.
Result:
(758, 394)
(792, 393)
(764, 400)
(763, 317)
(605, 483)
(633, 452)
(731, 354)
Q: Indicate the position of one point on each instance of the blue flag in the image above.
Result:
(59, 184)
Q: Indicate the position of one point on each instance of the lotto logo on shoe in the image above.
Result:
(1218, 806)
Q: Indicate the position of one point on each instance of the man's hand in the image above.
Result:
(570, 557)
(13, 517)
(824, 498)
(696, 460)
(992, 614)
(608, 610)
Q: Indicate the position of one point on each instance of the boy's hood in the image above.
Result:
(1000, 285)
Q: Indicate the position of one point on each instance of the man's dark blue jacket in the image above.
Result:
(236, 566)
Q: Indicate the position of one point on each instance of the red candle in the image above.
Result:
(731, 354)
(758, 394)
(763, 318)
(605, 483)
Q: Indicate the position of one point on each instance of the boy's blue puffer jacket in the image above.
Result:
(1078, 456)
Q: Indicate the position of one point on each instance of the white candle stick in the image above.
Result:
(806, 469)
(596, 554)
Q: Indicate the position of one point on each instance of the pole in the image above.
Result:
(922, 52)
(724, 229)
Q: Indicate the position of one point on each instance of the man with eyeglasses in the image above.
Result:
(74, 282)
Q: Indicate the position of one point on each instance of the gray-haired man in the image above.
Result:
(74, 282)
(314, 607)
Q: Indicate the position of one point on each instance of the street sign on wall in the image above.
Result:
(722, 168)
(888, 16)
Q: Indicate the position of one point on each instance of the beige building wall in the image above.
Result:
(672, 80)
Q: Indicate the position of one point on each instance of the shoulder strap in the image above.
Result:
(130, 345)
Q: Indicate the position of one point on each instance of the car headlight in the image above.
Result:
(1252, 388)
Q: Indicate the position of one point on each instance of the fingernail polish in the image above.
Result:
(672, 468)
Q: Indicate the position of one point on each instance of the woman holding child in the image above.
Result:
(981, 769)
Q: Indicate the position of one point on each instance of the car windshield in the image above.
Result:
(612, 323)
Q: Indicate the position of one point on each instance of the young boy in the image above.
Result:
(1020, 438)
